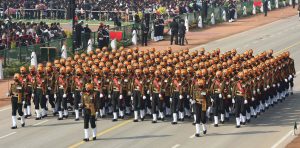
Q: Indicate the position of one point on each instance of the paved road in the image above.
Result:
(271, 129)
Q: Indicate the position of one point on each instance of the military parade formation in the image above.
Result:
(205, 86)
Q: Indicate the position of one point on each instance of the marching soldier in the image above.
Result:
(29, 92)
(105, 81)
(199, 93)
(89, 107)
(227, 92)
(156, 96)
(138, 96)
(217, 93)
(26, 98)
(50, 85)
(16, 91)
(239, 99)
(176, 93)
(61, 91)
(78, 88)
(39, 86)
(115, 91)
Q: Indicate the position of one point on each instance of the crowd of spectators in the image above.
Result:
(16, 34)
(89, 9)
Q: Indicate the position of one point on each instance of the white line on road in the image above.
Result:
(193, 136)
(7, 135)
(176, 146)
(40, 123)
(282, 139)
(4, 109)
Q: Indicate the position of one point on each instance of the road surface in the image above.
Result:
(272, 129)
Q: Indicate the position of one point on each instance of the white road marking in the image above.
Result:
(4, 109)
(282, 139)
(176, 146)
(40, 123)
(7, 135)
(193, 136)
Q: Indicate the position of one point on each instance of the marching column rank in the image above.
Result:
(39, 85)
(199, 93)
(16, 91)
(89, 107)
(138, 96)
(78, 88)
(216, 91)
(130, 79)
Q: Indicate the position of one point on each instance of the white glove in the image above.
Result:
(73, 95)
(101, 95)
(212, 100)
(150, 98)
(148, 92)
(131, 98)
(171, 99)
(129, 93)
(233, 101)
(91, 98)
(49, 88)
(220, 96)
(254, 92)
(274, 85)
(55, 96)
(228, 96)
(144, 97)
(258, 90)
(23, 102)
(268, 86)
(245, 102)
(265, 89)
(159, 96)
(121, 97)
(80, 104)
(188, 96)
(278, 84)
(80, 93)
(290, 77)
(109, 96)
(32, 95)
(285, 80)
(180, 97)
(252, 98)
(65, 95)
(7, 94)
(47, 96)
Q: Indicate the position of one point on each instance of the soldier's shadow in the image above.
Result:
(135, 137)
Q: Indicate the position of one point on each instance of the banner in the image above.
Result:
(116, 35)
(257, 3)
